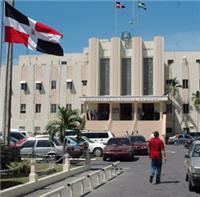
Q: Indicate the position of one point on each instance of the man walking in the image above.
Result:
(156, 152)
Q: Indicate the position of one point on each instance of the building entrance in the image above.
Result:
(103, 111)
(126, 111)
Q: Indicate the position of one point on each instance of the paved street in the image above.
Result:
(134, 181)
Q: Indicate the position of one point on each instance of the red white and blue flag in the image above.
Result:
(34, 35)
(119, 5)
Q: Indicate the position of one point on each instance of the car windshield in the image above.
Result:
(87, 139)
(138, 139)
(118, 141)
(196, 152)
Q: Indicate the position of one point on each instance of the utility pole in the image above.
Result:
(8, 92)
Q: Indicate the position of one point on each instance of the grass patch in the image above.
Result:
(14, 181)
(7, 182)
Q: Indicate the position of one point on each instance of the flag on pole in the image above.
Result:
(119, 5)
(34, 35)
(141, 5)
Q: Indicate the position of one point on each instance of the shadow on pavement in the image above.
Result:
(163, 182)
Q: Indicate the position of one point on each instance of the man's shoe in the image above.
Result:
(157, 181)
(151, 179)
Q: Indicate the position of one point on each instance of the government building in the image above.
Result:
(118, 84)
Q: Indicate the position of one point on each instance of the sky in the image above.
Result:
(177, 21)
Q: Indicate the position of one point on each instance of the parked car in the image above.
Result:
(118, 147)
(16, 139)
(192, 163)
(76, 149)
(139, 144)
(189, 142)
(42, 147)
(94, 148)
(95, 136)
(179, 139)
(98, 136)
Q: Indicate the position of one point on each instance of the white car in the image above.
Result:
(98, 136)
(94, 148)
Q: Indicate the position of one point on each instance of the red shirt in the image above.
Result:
(155, 146)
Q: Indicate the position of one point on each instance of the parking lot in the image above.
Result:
(135, 179)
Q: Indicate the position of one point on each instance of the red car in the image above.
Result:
(118, 148)
(139, 144)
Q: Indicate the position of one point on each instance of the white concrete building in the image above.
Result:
(119, 83)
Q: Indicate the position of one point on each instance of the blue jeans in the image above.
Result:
(156, 166)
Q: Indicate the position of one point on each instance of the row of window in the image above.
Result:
(38, 108)
(171, 61)
(39, 86)
(185, 83)
(104, 76)
(185, 108)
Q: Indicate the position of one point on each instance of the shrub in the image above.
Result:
(9, 154)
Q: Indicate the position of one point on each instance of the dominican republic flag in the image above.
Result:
(34, 35)
(119, 5)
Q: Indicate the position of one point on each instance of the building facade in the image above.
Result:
(118, 84)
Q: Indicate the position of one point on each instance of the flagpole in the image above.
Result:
(1, 47)
(8, 93)
(115, 19)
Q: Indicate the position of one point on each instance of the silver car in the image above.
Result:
(42, 147)
(192, 163)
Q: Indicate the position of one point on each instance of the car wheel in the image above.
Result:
(186, 177)
(98, 152)
(191, 187)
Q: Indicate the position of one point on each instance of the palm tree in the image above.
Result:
(196, 103)
(67, 119)
(172, 89)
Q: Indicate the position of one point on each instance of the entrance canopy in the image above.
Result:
(122, 99)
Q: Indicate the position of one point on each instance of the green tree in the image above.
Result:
(67, 119)
(173, 86)
(196, 103)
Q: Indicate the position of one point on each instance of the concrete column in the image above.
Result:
(93, 66)
(158, 66)
(137, 67)
(135, 111)
(110, 114)
(161, 110)
(33, 177)
(115, 65)
(66, 165)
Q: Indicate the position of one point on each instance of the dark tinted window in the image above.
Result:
(196, 152)
(17, 135)
(118, 141)
(29, 144)
(95, 135)
(138, 139)
(44, 143)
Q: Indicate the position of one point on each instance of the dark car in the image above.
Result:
(118, 148)
(139, 144)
